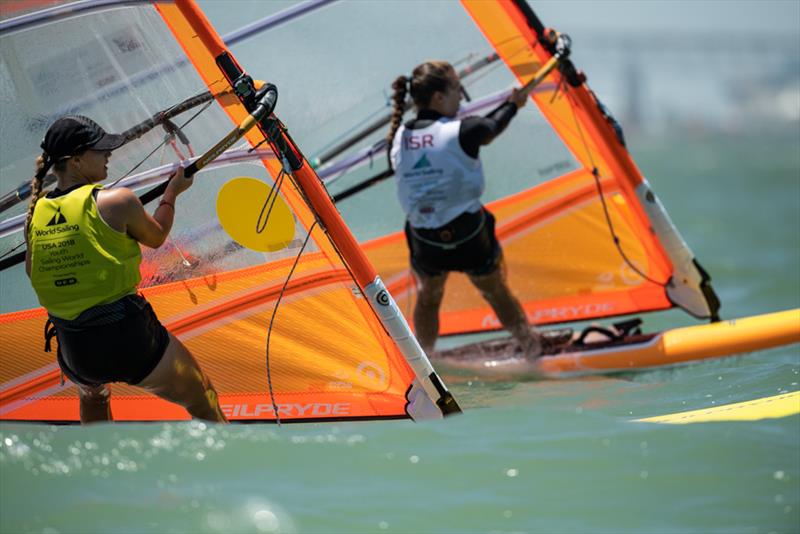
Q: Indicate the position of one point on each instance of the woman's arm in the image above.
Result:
(478, 131)
(123, 211)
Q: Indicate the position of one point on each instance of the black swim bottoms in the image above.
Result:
(467, 243)
(118, 342)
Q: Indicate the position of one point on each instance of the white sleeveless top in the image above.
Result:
(436, 180)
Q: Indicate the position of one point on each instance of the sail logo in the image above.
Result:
(578, 311)
(422, 163)
(383, 298)
(372, 372)
(367, 374)
(58, 218)
(318, 409)
(558, 314)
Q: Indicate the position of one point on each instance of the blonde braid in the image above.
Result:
(43, 164)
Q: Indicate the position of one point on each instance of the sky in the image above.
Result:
(673, 61)
(720, 63)
(625, 15)
(683, 15)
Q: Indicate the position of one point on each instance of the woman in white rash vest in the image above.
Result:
(439, 183)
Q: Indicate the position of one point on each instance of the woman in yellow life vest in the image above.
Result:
(440, 181)
(83, 260)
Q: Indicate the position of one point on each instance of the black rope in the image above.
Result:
(273, 195)
(160, 145)
(596, 175)
(253, 149)
(562, 83)
(272, 321)
(271, 198)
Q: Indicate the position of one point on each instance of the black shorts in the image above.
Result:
(467, 243)
(118, 342)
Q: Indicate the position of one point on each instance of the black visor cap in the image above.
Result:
(70, 135)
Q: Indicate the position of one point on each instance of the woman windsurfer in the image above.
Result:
(439, 184)
(83, 260)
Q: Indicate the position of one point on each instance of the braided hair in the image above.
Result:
(426, 79)
(43, 164)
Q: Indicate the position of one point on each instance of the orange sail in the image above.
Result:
(261, 279)
(583, 234)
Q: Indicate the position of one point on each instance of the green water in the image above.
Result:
(553, 456)
(548, 456)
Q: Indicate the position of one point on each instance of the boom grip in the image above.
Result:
(190, 171)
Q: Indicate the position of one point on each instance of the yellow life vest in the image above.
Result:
(77, 259)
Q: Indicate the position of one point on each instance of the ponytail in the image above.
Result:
(43, 164)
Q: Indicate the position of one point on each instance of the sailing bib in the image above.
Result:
(436, 180)
(77, 260)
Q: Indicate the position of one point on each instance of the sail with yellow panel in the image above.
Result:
(261, 278)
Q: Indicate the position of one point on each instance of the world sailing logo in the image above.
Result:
(422, 162)
(58, 218)
(57, 225)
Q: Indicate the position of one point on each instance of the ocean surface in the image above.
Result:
(536, 456)
(558, 456)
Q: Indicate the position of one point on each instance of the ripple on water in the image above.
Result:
(39, 451)
(265, 516)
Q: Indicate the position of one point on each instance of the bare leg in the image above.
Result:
(495, 290)
(95, 403)
(426, 310)
(179, 379)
